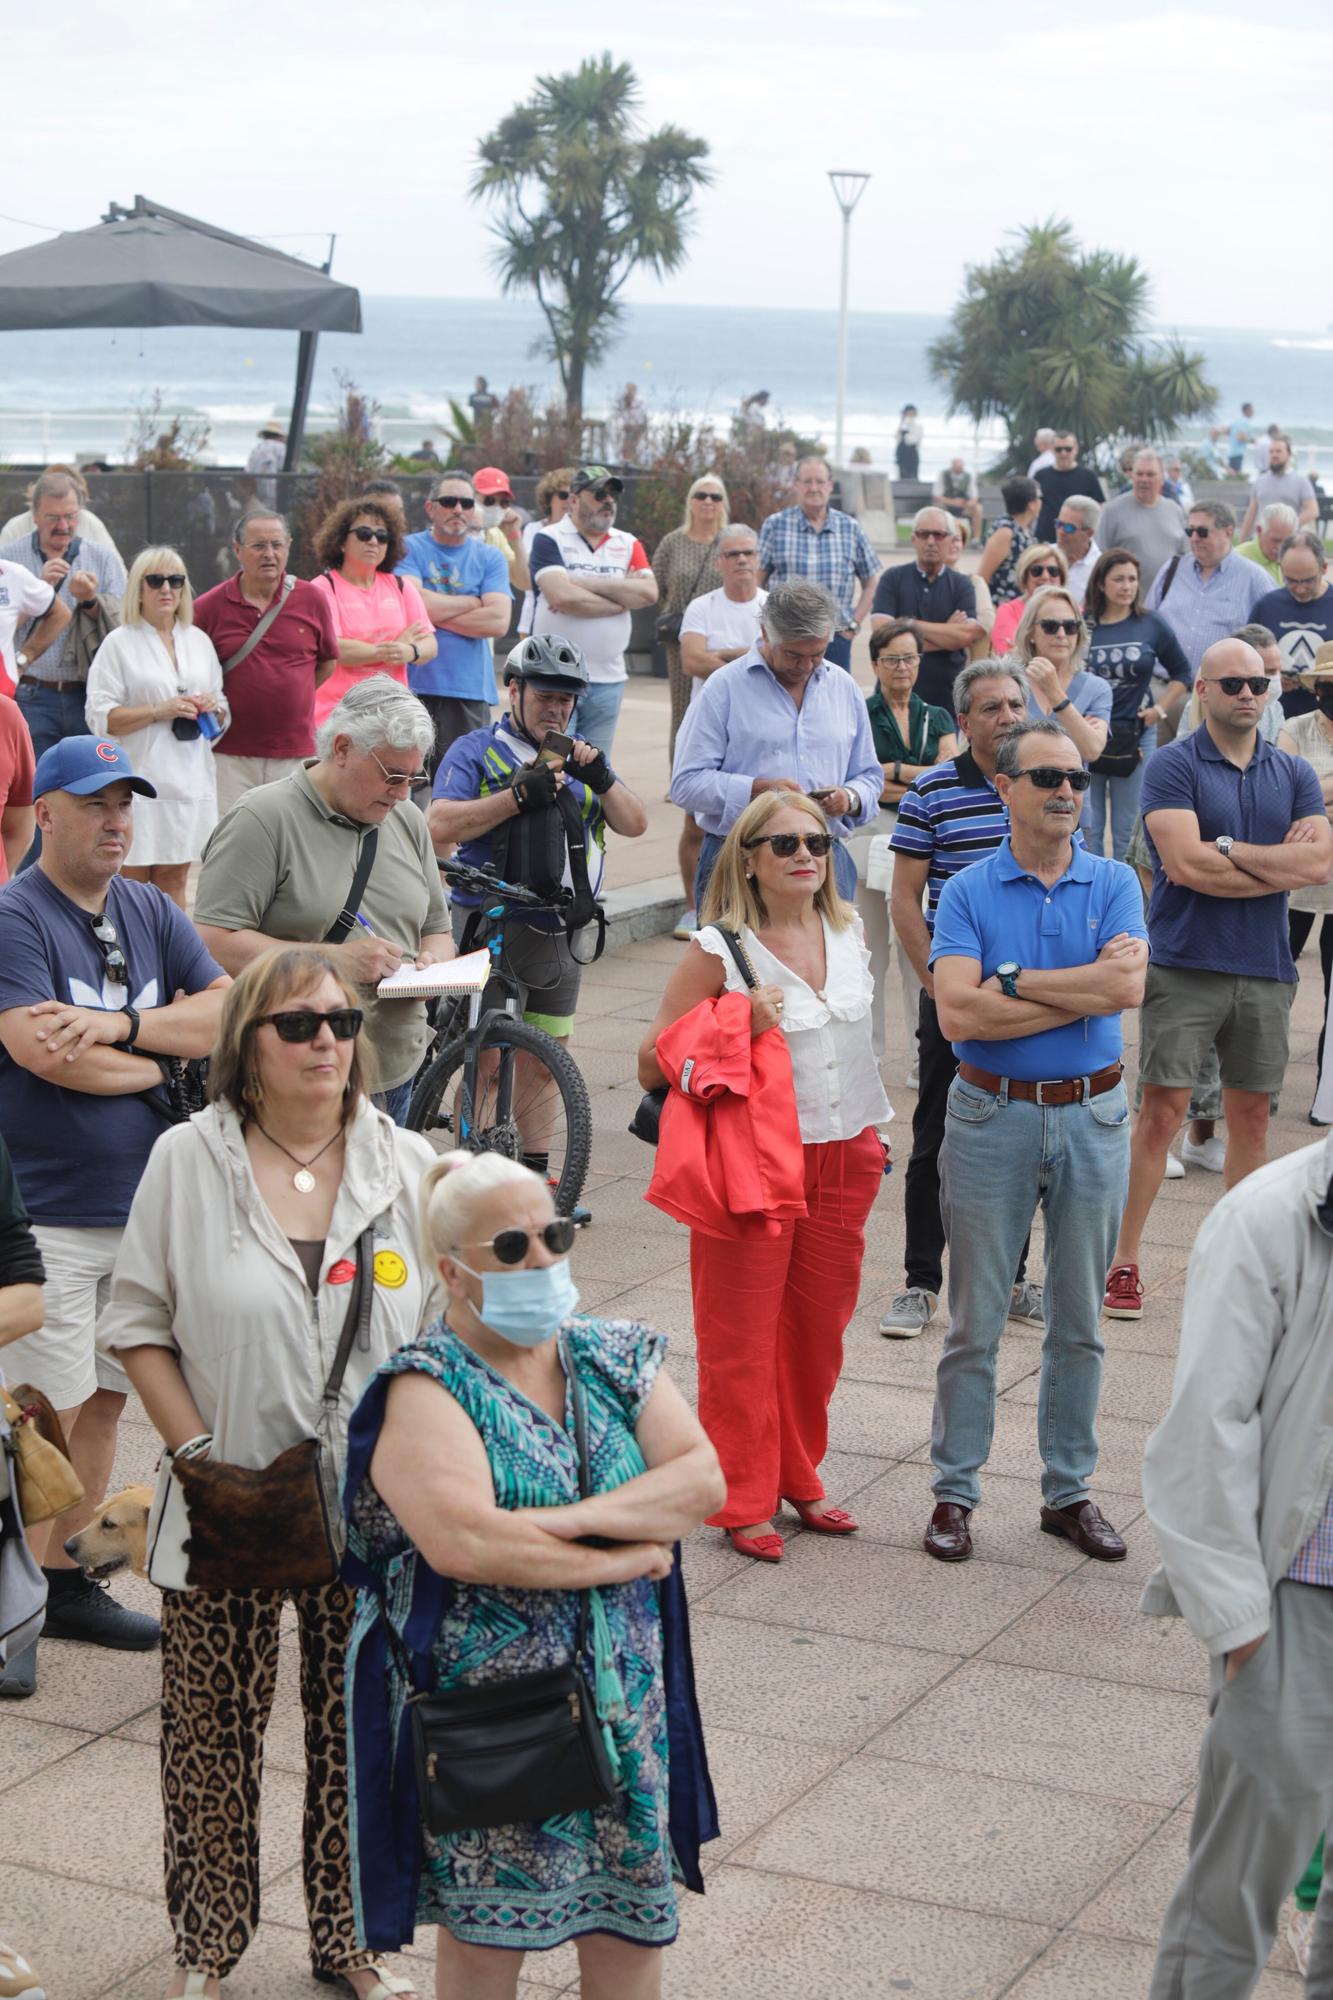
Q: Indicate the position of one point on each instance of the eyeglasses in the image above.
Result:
(458, 500)
(1061, 449)
(1049, 778)
(510, 1246)
(739, 555)
(898, 660)
(784, 845)
(1300, 582)
(1234, 684)
(1046, 569)
(1201, 534)
(380, 535)
(302, 1024)
(1068, 527)
(714, 499)
(398, 780)
(157, 578)
(1050, 626)
(107, 940)
(932, 534)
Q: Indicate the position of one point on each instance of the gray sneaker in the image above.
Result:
(909, 1314)
(1026, 1305)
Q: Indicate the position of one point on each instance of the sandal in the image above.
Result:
(833, 1520)
(18, 1981)
(196, 1983)
(386, 1983)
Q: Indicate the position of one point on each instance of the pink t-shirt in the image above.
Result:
(372, 616)
(1006, 624)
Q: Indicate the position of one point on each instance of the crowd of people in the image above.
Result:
(309, 1301)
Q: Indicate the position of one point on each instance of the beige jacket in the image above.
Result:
(204, 1270)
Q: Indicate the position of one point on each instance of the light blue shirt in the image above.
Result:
(1203, 609)
(743, 725)
(105, 565)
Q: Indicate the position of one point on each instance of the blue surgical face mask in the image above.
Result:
(526, 1306)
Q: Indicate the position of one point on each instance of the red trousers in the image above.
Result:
(769, 1317)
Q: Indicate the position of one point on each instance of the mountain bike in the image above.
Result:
(492, 1082)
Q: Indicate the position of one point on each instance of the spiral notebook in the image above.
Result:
(422, 982)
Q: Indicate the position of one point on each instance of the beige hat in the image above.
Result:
(1320, 668)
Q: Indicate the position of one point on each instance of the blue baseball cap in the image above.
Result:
(83, 764)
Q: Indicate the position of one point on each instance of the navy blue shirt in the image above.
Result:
(1126, 653)
(903, 592)
(1260, 804)
(79, 1157)
(950, 816)
(997, 911)
(1300, 630)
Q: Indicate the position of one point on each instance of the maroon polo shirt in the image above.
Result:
(272, 692)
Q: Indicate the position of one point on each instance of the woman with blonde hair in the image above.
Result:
(1040, 565)
(150, 683)
(770, 1311)
(1050, 645)
(553, 491)
(276, 1226)
(686, 566)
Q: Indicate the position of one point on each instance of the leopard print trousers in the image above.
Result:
(219, 1671)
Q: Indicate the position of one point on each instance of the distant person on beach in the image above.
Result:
(1240, 433)
(1044, 440)
(1076, 538)
(907, 445)
(88, 528)
(1273, 526)
(380, 619)
(940, 602)
(1143, 520)
(275, 637)
(465, 587)
(955, 490)
(815, 541)
(1060, 479)
(426, 454)
(267, 457)
(1009, 537)
(1177, 486)
(498, 522)
(1281, 482)
(483, 405)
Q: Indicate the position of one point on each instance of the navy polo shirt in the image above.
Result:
(1203, 933)
(995, 911)
(903, 592)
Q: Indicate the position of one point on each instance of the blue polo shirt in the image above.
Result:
(463, 667)
(1202, 933)
(995, 911)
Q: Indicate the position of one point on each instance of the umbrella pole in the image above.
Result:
(305, 375)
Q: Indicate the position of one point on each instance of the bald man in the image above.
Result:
(1234, 824)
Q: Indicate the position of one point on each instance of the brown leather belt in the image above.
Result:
(1064, 1090)
(61, 687)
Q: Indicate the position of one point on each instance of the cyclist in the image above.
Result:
(542, 825)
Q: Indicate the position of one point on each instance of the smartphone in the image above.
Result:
(556, 749)
(825, 792)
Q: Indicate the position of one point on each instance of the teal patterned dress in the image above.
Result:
(535, 1884)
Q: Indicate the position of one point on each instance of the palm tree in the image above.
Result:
(585, 199)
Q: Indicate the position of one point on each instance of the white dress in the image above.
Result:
(132, 669)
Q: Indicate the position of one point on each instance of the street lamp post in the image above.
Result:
(847, 191)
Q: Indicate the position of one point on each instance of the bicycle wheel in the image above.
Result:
(528, 1097)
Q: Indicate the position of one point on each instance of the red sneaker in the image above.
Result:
(1124, 1293)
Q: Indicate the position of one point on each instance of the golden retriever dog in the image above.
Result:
(119, 1535)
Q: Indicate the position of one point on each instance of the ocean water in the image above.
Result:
(72, 393)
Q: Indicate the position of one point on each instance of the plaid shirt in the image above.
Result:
(838, 555)
(1314, 1563)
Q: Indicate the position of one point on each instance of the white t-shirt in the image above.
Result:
(723, 623)
(601, 640)
(22, 596)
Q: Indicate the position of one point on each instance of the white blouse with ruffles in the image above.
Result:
(839, 1090)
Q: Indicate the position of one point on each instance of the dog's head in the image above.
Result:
(119, 1535)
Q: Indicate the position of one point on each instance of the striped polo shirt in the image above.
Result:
(950, 816)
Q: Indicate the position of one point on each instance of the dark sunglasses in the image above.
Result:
(1199, 534)
(717, 497)
(601, 492)
(1049, 778)
(107, 940)
(562, 493)
(510, 1246)
(302, 1024)
(1046, 569)
(1234, 684)
(454, 500)
(784, 845)
(380, 535)
(156, 578)
(1050, 626)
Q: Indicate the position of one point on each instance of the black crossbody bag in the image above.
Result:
(530, 1748)
(646, 1124)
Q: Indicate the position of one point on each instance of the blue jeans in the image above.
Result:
(50, 715)
(1001, 1159)
(844, 869)
(397, 1101)
(596, 713)
(1121, 796)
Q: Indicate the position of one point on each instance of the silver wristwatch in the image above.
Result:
(1224, 844)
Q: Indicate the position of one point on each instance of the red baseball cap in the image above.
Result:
(491, 480)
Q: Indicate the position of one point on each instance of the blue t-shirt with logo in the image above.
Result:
(1127, 654)
(79, 1158)
(462, 667)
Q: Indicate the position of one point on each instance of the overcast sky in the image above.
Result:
(1179, 136)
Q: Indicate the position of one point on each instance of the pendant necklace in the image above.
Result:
(302, 1180)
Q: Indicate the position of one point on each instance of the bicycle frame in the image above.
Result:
(477, 1024)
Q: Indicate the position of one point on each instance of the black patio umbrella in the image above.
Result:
(150, 266)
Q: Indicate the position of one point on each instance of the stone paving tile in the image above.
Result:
(896, 1508)
(804, 1687)
(1079, 1968)
(880, 1419)
(77, 1934)
(90, 1687)
(1134, 1385)
(1090, 1624)
(753, 1784)
(1014, 1451)
(31, 1746)
(900, 1829)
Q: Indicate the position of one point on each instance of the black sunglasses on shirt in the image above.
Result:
(107, 939)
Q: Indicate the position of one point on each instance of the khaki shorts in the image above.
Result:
(61, 1359)
(1185, 1012)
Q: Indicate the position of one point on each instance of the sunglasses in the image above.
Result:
(454, 500)
(302, 1024)
(714, 499)
(784, 845)
(1046, 569)
(1067, 527)
(1050, 626)
(396, 779)
(510, 1246)
(1234, 684)
(380, 535)
(1061, 449)
(107, 940)
(932, 534)
(1049, 778)
(600, 492)
(1200, 534)
(156, 578)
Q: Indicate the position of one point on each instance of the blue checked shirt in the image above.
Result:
(105, 565)
(1314, 1563)
(1203, 609)
(838, 555)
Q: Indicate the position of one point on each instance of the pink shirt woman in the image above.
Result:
(381, 620)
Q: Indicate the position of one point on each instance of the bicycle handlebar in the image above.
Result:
(485, 882)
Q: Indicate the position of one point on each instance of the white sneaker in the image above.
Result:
(1211, 1155)
(687, 923)
(913, 1078)
(909, 1314)
(1175, 1169)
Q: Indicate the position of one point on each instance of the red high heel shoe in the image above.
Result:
(833, 1521)
(763, 1548)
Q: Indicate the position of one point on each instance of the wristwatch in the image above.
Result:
(897, 770)
(1008, 975)
(1224, 844)
(132, 1016)
(1060, 706)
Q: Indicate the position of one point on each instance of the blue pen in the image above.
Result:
(406, 964)
(364, 925)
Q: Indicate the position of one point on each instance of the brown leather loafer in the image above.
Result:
(1087, 1528)
(947, 1538)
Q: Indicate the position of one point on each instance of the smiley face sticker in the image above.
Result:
(390, 1270)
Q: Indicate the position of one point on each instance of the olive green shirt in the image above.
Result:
(282, 862)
